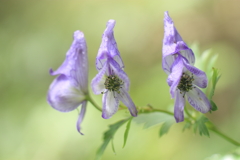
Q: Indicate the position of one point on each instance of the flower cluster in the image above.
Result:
(111, 80)
(70, 88)
(183, 78)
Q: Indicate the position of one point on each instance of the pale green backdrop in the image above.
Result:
(34, 37)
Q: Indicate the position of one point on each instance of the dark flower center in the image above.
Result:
(185, 84)
(113, 83)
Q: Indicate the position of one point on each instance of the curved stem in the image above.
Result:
(89, 98)
(189, 115)
(150, 109)
(211, 127)
(163, 111)
(214, 129)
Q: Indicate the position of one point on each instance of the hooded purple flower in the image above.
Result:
(108, 47)
(70, 88)
(111, 80)
(173, 45)
(184, 78)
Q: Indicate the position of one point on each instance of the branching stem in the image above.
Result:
(150, 109)
(215, 130)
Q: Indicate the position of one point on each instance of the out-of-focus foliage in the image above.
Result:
(201, 127)
(152, 119)
(109, 135)
(35, 36)
(215, 77)
(165, 127)
(126, 132)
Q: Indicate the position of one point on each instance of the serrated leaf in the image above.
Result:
(165, 127)
(201, 126)
(108, 135)
(152, 119)
(126, 132)
(187, 125)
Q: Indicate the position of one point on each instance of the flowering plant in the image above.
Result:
(111, 80)
(184, 78)
(70, 89)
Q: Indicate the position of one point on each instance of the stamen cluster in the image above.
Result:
(113, 83)
(185, 84)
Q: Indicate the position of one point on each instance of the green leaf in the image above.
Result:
(201, 126)
(187, 125)
(195, 127)
(215, 78)
(210, 64)
(108, 135)
(165, 127)
(113, 147)
(126, 132)
(152, 119)
(214, 106)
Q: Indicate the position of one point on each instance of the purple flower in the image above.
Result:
(111, 80)
(184, 79)
(70, 88)
(108, 47)
(173, 45)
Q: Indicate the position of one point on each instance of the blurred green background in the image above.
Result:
(34, 37)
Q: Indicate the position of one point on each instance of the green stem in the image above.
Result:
(150, 109)
(89, 98)
(224, 136)
(163, 111)
(189, 115)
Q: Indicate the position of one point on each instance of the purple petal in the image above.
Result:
(173, 44)
(180, 50)
(100, 63)
(167, 63)
(108, 47)
(198, 100)
(179, 107)
(175, 76)
(76, 62)
(63, 95)
(126, 99)
(186, 52)
(110, 104)
(81, 116)
(114, 66)
(171, 35)
(99, 80)
(200, 77)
